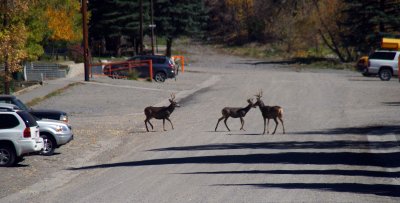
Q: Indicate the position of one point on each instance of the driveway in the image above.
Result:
(341, 142)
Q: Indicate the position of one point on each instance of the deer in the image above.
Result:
(270, 112)
(160, 113)
(235, 112)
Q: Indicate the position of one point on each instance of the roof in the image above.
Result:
(6, 96)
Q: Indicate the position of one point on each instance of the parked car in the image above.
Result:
(383, 63)
(19, 135)
(40, 113)
(54, 133)
(163, 67)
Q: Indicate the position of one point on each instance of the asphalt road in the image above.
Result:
(341, 143)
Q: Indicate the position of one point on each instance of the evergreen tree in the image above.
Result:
(368, 21)
(175, 18)
(114, 20)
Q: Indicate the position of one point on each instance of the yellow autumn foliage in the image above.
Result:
(61, 22)
(13, 35)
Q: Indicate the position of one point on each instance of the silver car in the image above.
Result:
(55, 133)
(383, 63)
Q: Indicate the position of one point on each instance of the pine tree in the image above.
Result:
(367, 21)
(115, 19)
(175, 18)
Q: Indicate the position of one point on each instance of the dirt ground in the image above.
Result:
(100, 111)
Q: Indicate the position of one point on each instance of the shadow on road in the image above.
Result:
(295, 60)
(391, 103)
(338, 144)
(345, 158)
(366, 173)
(363, 130)
(377, 189)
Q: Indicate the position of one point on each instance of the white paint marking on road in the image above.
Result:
(129, 87)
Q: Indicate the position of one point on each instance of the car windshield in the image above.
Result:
(21, 105)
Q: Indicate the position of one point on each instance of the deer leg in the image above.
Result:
(163, 124)
(148, 121)
(283, 126)
(276, 125)
(268, 126)
(145, 122)
(226, 124)
(242, 122)
(264, 126)
(170, 122)
(151, 125)
(220, 119)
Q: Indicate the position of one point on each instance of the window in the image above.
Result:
(28, 119)
(8, 121)
(383, 55)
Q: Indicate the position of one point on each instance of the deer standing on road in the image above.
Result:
(160, 113)
(270, 112)
(235, 112)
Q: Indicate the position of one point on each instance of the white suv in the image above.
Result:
(383, 63)
(19, 135)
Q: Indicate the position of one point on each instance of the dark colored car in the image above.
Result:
(40, 113)
(163, 67)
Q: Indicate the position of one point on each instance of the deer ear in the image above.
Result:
(170, 100)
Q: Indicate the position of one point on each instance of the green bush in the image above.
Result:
(133, 75)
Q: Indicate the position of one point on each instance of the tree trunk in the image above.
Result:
(6, 68)
(169, 47)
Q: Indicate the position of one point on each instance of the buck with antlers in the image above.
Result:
(270, 112)
(160, 113)
(235, 112)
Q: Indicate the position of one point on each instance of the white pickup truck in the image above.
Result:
(383, 63)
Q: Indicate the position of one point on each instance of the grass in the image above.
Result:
(51, 94)
(133, 75)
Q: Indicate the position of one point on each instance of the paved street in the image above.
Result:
(341, 142)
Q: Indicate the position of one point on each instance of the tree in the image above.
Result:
(63, 20)
(176, 18)
(114, 20)
(13, 36)
(235, 21)
(367, 21)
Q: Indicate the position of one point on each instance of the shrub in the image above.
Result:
(75, 53)
(133, 75)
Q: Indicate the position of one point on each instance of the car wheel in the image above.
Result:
(49, 145)
(7, 156)
(385, 74)
(114, 75)
(160, 77)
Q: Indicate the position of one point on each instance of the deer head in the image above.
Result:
(258, 97)
(172, 101)
(250, 101)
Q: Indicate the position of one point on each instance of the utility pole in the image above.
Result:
(141, 27)
(85, 39)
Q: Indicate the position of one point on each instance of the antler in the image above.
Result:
(172, 96)
(259, 95)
